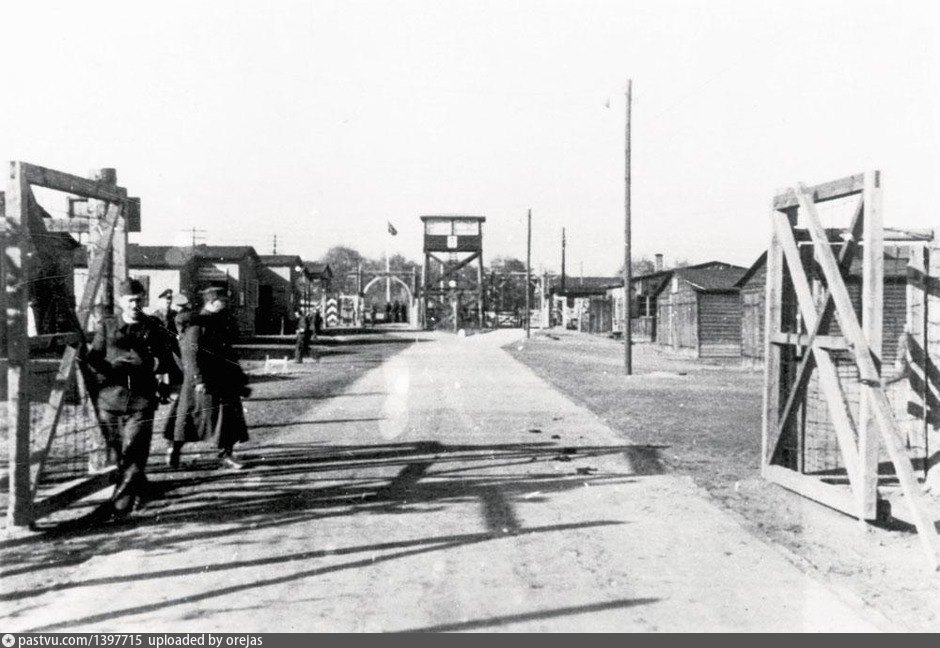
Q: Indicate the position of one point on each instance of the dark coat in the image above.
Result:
(125, 359)
(167, 317)
(209, 359)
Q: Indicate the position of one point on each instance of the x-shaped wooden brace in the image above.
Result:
(53, 410)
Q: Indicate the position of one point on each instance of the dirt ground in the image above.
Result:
(447, 487)
(707, 415)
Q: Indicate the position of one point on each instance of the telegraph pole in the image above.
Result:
(562, 259)
(528, 276)
(627, 289)
(195, 233)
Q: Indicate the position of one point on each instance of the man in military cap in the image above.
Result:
(126, 354)
(167, 313)
(210, 365)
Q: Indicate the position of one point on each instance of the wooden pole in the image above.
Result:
(872, 315)
(562, 260)
(528, 277)
(627, 290)
(97, 210)
(16, 251)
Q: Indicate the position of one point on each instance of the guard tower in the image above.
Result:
(451, 293)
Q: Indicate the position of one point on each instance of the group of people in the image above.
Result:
(394, 312)
(139, 360)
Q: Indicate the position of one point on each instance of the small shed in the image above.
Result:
(279, 285)
(646, 291)
(699, 311)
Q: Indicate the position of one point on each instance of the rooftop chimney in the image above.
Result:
(659, 262)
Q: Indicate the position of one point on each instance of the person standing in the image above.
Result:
(166, 313)
(211, 366)
(302, 333)
(126, 354)
(180, 426)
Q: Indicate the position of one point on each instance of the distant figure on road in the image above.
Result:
(126, 354)
(302, 334)
(388, 312)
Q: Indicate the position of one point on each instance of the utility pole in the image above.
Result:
(562, 259)
(195, 233)
(627, 289)
(528, 276)
(274, 251)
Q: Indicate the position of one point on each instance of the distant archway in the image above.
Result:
(407, 288)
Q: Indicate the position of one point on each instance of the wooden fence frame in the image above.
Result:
(109, 209)
(783, 397)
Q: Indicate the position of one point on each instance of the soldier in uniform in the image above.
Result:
(126, 354)
(166, 313)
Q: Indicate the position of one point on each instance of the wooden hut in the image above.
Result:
(279, 280)
(646, 291)
(699, 311)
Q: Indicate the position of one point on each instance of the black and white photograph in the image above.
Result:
(499, 316)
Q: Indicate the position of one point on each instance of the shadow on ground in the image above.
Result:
(287, 484)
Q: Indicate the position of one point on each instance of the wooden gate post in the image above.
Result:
(872, 309)
(16, 254)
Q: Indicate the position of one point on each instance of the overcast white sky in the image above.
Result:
(319, 121)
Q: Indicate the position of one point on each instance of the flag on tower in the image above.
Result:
(391, 228)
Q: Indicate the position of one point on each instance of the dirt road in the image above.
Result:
(447, 489)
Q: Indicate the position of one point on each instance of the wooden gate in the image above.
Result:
(798, 345)
(111, 215)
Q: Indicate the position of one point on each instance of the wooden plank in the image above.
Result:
(881, 408)
(833, 342)
(828, 375)
(97, 209)
(772, 318)
(896, 234)
(837, 497)
(17, 247)
(72, 184)
(73, 491)
(848, 186)
(872, 316)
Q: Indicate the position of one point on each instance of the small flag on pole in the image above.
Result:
(391, 228)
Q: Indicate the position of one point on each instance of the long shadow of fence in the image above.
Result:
(295, 483)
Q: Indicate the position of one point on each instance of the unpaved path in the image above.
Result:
(448, 489)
